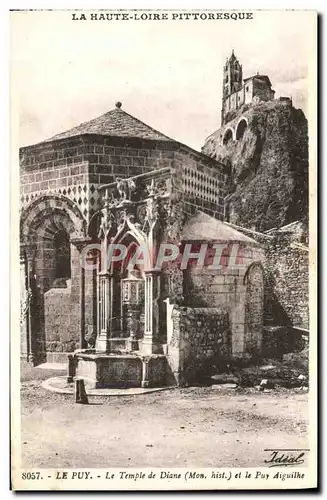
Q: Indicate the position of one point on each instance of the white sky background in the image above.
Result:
(167, 73)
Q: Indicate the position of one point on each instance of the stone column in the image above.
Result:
(80, 242)
(82, 307)
(151, 340)
(29, 256)
(133, 318)
(24, 304)
(145, 373)
(105, 310)
(30, 347)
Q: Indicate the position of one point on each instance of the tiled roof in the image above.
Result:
(116, 123)
(259, 77)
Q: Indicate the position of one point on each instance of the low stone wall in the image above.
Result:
(200, 340)
(61, 325)
(280, 340)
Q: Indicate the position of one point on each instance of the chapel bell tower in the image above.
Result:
(232, 77)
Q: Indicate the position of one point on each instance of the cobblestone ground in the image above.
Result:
(199, 426)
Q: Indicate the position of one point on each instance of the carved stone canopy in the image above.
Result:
(136, 199)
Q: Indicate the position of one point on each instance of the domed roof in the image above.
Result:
(203, 227)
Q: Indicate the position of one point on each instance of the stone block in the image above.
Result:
(138, 161)
(114, 160)
(75, 170)
(104, 159)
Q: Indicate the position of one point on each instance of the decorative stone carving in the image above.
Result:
(159, 187)
(151, 188)
(121, 216)
(107, 222)
(46, 206)
(125, 188)
(24, 306)
(107, 219)
(141, 214)
(151, 211)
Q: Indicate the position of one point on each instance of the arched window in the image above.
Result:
(228, 136)
(62, 249)
(241, 127)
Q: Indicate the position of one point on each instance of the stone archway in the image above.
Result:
(44, 206)
(40, 224)
(228, 136)
(121, 293)
(254, 303)
(241, 128)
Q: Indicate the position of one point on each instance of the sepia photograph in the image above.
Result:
(163, 192)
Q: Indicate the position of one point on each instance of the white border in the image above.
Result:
(4, 199)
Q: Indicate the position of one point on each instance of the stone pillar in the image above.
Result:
(29, 258)
(145, 372)
(82, 307)
(24, 304)
(105, 310)
(151, 340)
(132, 293)
(80, 244)
(72, 364)
(133, 321)
(237, 324)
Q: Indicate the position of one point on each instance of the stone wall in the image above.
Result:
(62, 316)
(254, 306)
(201, 183)
(286, 266)
(61, 323)
(228, 287)
(75, 167)
(199, 341)
(287, 284)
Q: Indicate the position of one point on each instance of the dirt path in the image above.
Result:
(203, 427)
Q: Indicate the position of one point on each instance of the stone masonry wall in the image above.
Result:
(61, 315)
(62, 319)
(225, 287)
(75, 167)
(201, 184)
(202, 338)
(286, 266)
(287, 287)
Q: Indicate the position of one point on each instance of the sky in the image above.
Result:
(166, 73)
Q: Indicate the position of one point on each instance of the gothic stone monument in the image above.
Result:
(115, 180)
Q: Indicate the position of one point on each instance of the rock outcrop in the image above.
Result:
(267, 162)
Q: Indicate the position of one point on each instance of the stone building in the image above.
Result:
(237, 92)
(116, 181)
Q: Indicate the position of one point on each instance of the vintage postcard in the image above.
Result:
(163, 265)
